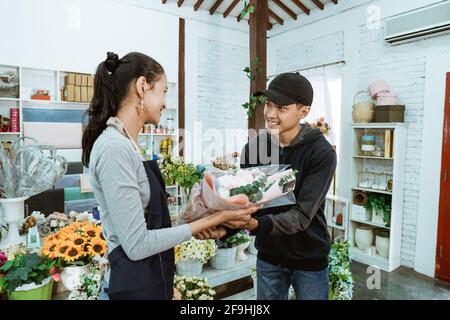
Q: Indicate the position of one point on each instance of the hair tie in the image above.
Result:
(112, 61)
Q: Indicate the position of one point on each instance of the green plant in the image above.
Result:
(193, 288)
(241, 237)
(26, 268)
(247, 9)
(380, 203)
(341, 279)
(195, 249)
(250, 106)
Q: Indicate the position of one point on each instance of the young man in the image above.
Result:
(293, 241)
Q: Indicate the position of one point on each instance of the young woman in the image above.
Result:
(128, 93)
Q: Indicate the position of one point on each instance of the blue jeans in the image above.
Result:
(273, 283)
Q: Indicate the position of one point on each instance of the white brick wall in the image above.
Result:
(222, 87)
(403, 68)
(328, 48)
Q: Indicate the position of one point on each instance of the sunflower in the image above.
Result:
(77, 239)
(50, 247)
(98, 246)
(73, 253)
(90, 231)
(62, 248)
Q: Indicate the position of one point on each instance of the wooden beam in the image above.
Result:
(318, 4)
(304, 8)
(198, 4)
(276, 17)
(180, 3)
(335, 1)
(181, 84)
(258, 48)
(164, 1)
(269, 26)
(215, 6)
(230, 8)
(285, 9)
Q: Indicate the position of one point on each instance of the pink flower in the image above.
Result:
(52, 270)
(3, 258)
(322, 118)
(56, 277)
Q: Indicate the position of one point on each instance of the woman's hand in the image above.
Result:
(237, 215)
(213, 233)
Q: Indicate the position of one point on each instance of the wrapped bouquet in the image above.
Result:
(270, 186)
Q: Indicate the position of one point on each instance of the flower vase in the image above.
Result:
(185, 192)
(252, 249)
(240, 251)
(13, 211)
(189, 268)
(33, 291)
(224, 258)
(71, 276)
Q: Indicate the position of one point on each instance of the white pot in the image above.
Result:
(13, 214)
(224, 259)
(363, 237)
(251, 248)
(71, 276)
(377, 217)
(190, 268)
(240, 251)
(382, 244)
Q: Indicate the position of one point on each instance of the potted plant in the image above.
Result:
(381, 209)
(26, 275)
(193, 288)
(74, 247)
(191, 255)
(226, 252)
(89, 286)
(242, 239)
(341, 279)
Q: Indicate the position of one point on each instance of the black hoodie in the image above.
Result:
(296, 236)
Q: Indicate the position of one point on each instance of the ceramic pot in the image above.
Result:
(382, 244)
(240, 251)
(224, 258)
(190, 268)
(32, 291)
(71, 276)
(252, 249)
(363, 237)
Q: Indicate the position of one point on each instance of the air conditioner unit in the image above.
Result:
(426, 22)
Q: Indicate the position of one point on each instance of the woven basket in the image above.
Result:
(363, 111)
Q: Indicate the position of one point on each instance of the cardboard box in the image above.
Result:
(69, 79)
(90, 93)
(84, 94)
(91, 81)
(390, 113)
(84, 80)
(77, 94)
(69, 92)
(78, 79)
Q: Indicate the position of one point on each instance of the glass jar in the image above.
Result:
(365, 179)
(368, 144)
(379, 145)
(170, 125)
(382, 181)
(375, 181)
(390, 182)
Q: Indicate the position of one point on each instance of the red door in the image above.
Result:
(443, 244)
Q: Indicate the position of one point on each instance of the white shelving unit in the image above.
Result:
(395, 165)
(335, 205)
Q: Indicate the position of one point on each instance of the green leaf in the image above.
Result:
(255, 61)
(33, 260)
(7, 266)
(259, 69)
(18, 274)
(251, 9)
(262, 99)
(247, 70)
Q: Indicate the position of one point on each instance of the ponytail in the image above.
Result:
(112, 81)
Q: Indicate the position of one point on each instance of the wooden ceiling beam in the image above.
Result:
(230, 8)
(276, 17)
(215, 6)
(164, 1)
(239, 17)
(180, 3)
(318, 4)
(335, 1)
(285, 9)
(304, 8)
(198, 4)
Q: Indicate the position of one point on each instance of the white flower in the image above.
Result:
(211, 292)
(203, 297)
(189, 294)
(62, 224)
(53, 223)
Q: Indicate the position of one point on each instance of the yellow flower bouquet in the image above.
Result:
(75, 245)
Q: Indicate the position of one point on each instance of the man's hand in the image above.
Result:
(214, 234)
(171, 200)
(251, 225)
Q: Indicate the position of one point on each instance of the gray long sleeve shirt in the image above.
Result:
(121, 187)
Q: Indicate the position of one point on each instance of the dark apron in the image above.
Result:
(150, 278)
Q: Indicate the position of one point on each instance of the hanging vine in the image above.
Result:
(250, 106)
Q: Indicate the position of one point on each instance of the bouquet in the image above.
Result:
(89, 287)
(76, 244)
(193, 288)
(186, 175)
(270, 186)
(195, 249)
(322, 125)
(53, 223)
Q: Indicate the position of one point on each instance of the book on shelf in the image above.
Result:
(388, 143)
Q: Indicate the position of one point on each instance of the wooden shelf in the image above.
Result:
(372, 190)
(370, 223)
(375, 158)
(376, 125)
(373, 260)
(335, 226)
(9, 99)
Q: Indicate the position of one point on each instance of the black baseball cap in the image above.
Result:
(289, 88)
